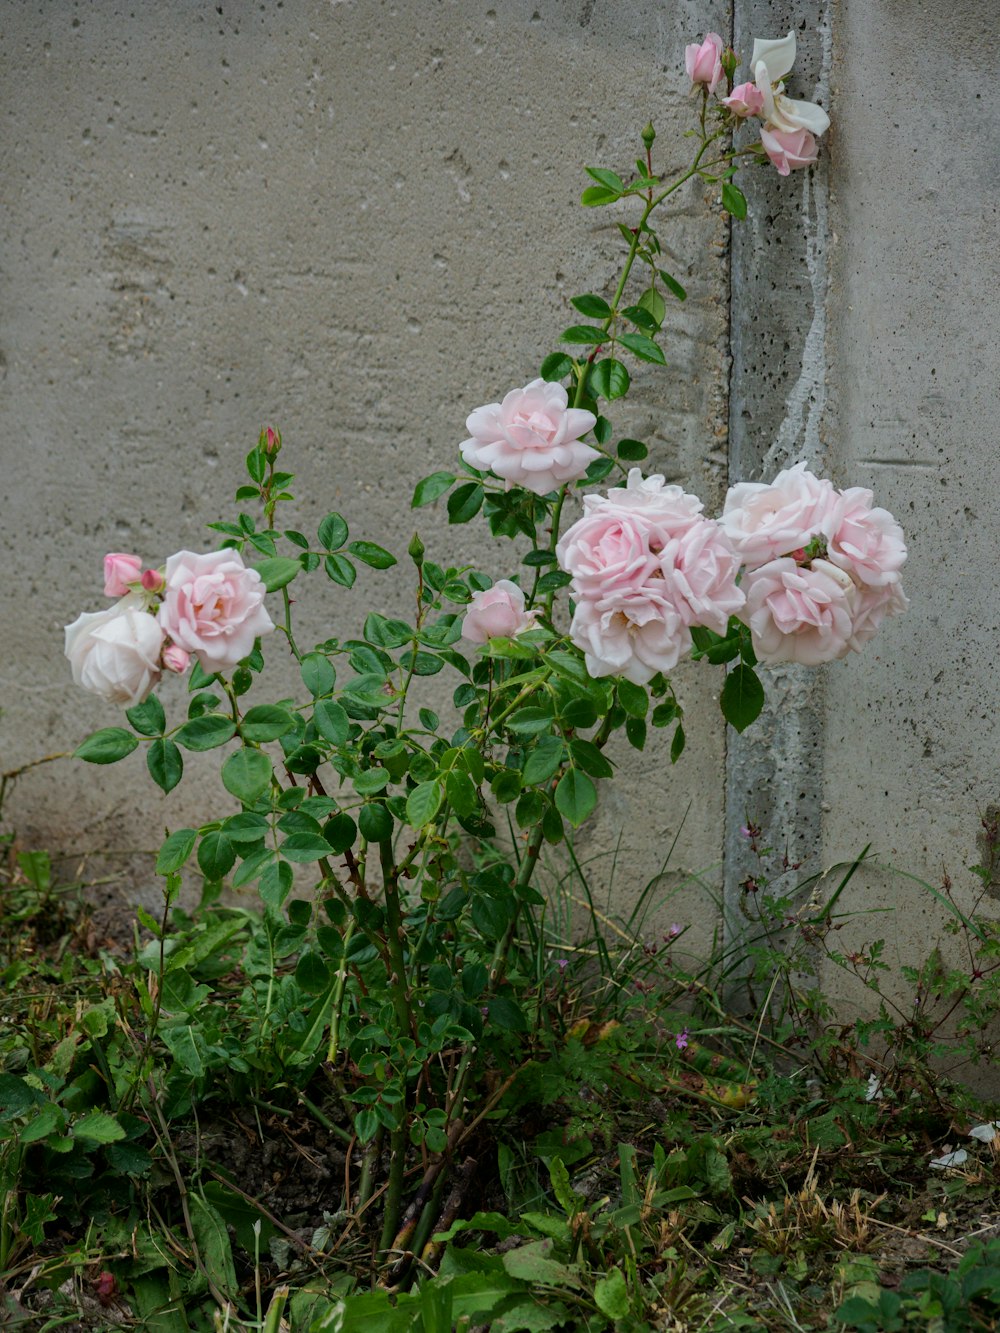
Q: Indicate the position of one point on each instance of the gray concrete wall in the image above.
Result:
(359, 221)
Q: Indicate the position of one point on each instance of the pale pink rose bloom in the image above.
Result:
(659, 503)
(764, 521)
(700, 568)
(116, 653)
(635, 637)
(119, 571)
(176, 659)
(798, 614)
(868, 543)
(497, 613)
(771, 61)
(213, 607)
(531, 439)
(703, 61)
(745, 100)
(789, 149)
(873, 605)
(607, 552)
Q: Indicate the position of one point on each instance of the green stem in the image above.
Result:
(338, 996)
(287, 627)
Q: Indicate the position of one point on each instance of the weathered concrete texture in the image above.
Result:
(358, 220)
(774, 772)
(911, 754)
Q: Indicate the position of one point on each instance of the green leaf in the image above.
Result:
(318, 674)
(340, 569)
(312, 973)
(206, 732)
(556, 366)
(506, 1014)
(643, 347)
(594, 307)
(653, 303)
(247, 775)
(175, 851)
(633, 698)
(333, 532)
(431, 488)
(543, 761)
(50, 1119)
(340, 832)
(371, 554)
(278, 571)
(98, 1127)
(742, 697)
(635, 730)
(107, 746)
(596, 195)
(634, 451)
(256, 464)
(598, 469)
(148, 718)
(423, 803)
(733, 200)
(165, 764)
(465, 502)
(672, 285)
(266, 722)
(584, 334)
(611, 1294)
(641, 317)
(609, 379)
(366, 1122)
(461, 793)
(532, 1264)
(214, 1246)
(677, 744)
(331, 721)
(609, 179)
(576, 796)
(375, 822)
(216, 855)
(304, 847)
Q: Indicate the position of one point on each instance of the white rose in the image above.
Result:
(771, 61)
(116, 653)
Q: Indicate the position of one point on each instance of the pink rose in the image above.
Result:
(635, 636)
(700, 569)
(119, 571)
(497, 613)
(875, 604)
(152, 581)
(800, 614)
(607, 552)
(116, 653)
(704, 63)
(744, 100)
(213, 607)
(789, 149)
(531, 439)
(176, 659)
(867, 543)
(767, 521)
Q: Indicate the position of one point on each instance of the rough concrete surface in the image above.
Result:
(358, 220)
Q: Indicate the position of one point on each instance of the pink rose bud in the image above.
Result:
(789, 149)
(119, 571)
(745, 100)
(704, 63)
(176, 659)
(152, 580)
(272, 440)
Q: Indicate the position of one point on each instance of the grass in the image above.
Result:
(640, 1158)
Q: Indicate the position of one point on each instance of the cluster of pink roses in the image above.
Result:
(821, 567)
(208, 606)
(646, 567)
(788, 136)
(811, 570)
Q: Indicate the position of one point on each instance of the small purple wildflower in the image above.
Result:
(681, 1040)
